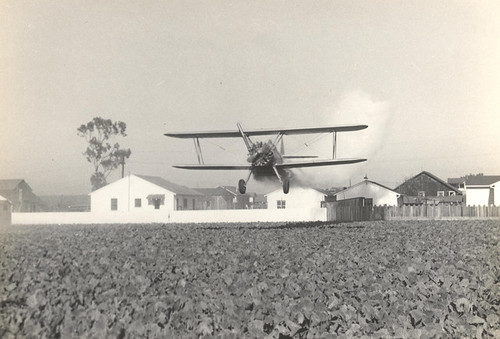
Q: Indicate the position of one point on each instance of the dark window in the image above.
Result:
(281, 204)
(185, 203)
(114, 204)
(156, 200)
(138, 203)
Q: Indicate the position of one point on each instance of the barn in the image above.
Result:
(20, 194)
(426, 188)
(297, 197)
(379, 194)
(143, 193)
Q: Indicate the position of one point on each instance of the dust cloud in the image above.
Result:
(354, 107)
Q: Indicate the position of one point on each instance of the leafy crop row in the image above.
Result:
(378, 279)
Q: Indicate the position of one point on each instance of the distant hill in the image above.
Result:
(65, 203)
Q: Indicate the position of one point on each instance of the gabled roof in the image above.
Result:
(456, 181)
(365, 182)
(9, 184)
(217, 191)
(451, 188)
(231, 190)
(483, 180)
(177, 189)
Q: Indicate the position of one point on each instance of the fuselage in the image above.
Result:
(264, 156)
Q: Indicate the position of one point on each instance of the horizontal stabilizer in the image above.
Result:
(215, 167)
(284, 131)
(330, 162)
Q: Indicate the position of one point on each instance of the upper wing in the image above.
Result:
(214, 167)
(329, 162)
(284, 131)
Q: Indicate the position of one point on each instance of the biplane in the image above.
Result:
(264, 159)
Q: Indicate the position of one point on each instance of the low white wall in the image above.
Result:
(200, 216)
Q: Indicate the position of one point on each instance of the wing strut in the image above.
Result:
(277, 174)
(334, 148)
(245, 137)
(199, 154)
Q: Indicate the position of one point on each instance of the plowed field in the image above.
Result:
(378, 279)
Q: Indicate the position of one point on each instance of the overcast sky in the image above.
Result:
(424, 75)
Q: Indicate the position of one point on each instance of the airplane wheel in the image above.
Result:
(286, 186)
(242, 186)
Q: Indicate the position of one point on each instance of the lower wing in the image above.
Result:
(214, 167)
(295, 164)
(330, 162)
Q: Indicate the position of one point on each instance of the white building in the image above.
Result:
(5, 211)
(380, 194)
(483, 190)
(297, 197)
(141, 193)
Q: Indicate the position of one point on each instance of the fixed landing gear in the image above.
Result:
(286, 185)
(242, 186)
(284, 180)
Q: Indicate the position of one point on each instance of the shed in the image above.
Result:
(483, 190)
(380, 194)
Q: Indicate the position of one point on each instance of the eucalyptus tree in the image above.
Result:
(104, 155)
